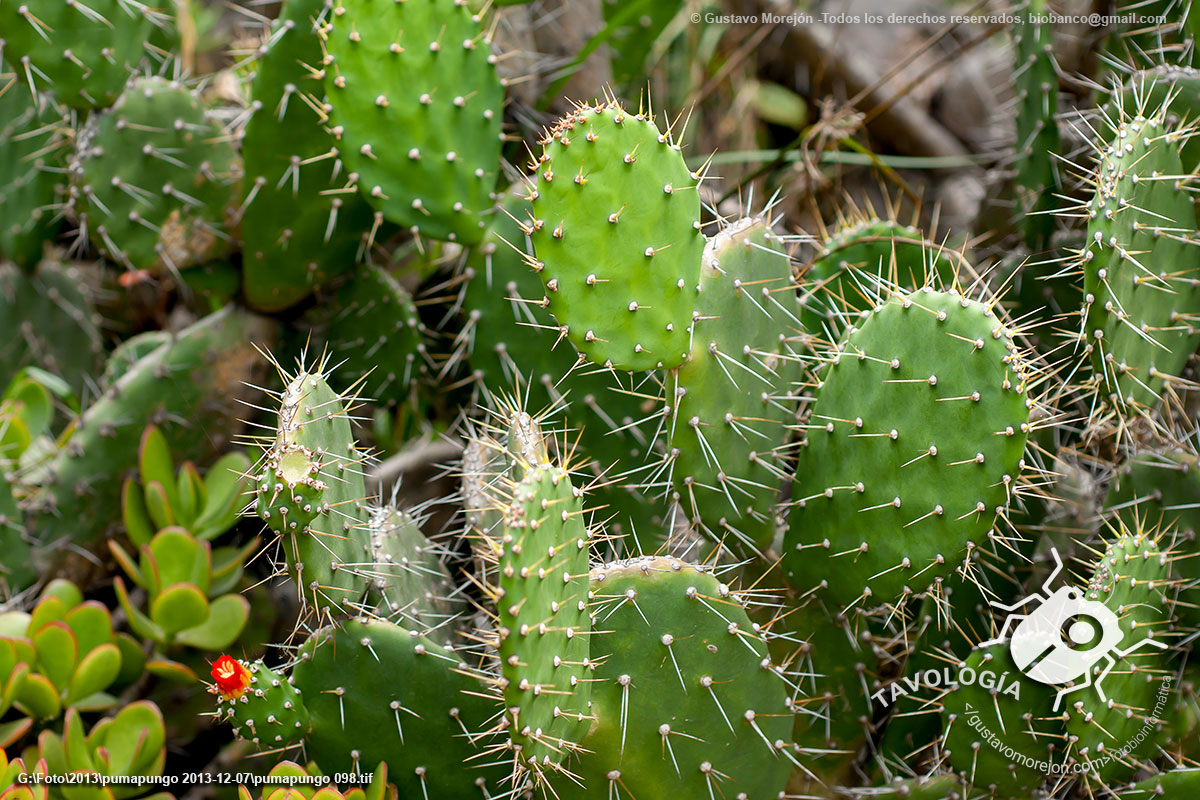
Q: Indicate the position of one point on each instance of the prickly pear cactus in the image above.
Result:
(1133, 579)
(615, 225)
(685, 695)
(152, 179)
(425, 725)
(376, 331)
(917, 433)
(730, 401)
(302, 217)
(82, 53)
(1139, 309)
(310, 491)
(513, 348)
(425, 70)
(543, 626)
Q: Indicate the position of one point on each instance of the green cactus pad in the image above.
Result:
(408, 572)
(857, 257)
(304, 218)
(981, 722)
(513, 348)
(914, 445)
(1140, 298)
(1115, 729)
(152, 179)
(416, 106)
(377, 692)
(685, 697)
(311, 493)
(269, 711)
(48, 323)
(32, 153)
(733, 396)
(83, 53)
(616, 233)
(187, 387)
(374, 328)
(543, 626)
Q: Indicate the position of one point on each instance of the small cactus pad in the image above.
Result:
(543, 631)
(1117, 710)
(82, 52)
(310, 491)
(686, 700)
(733, 396)
(416, 106)
(303, 218)
(913, 447)
(262, 705)
(615, 230)
(152, 179)
(377, 692)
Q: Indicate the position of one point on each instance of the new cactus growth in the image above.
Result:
(310, 491)
(541, 554)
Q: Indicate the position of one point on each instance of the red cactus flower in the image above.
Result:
(232, 678)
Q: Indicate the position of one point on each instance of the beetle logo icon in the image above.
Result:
(1064, 636)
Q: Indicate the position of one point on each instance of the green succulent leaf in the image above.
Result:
(178, 607)
(226, 620)
(96, 672)
(134, 513)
